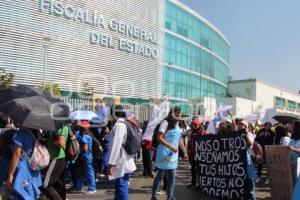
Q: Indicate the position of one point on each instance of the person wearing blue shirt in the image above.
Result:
(294, 147)
(296, 153)
(106, 144)
(169, 138)
(251, 175)
(86, 157)
(24, 181)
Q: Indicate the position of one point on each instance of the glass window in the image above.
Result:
(168, 25)
(279, 102)
(182, 31)
(291, 105)
(298, 107)
(194, 29)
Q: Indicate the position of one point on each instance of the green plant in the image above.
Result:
(52, 88)
(6, 79)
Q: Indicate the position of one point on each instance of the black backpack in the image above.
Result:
(72, 146)
(97, 149)
(133, 140)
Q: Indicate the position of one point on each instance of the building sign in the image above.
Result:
(96, 19)
(279, 171)
(221, 165)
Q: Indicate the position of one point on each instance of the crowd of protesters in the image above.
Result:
(102, 152)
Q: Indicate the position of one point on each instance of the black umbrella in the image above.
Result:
(34, 112)
(23, 91)
(285, 118)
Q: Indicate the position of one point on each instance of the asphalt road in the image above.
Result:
(140, 188)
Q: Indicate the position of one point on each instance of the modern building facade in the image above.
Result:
(111, 45)
(196, 58)
(133, 51)
(254, 95)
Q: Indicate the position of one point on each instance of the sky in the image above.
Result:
(264, 37)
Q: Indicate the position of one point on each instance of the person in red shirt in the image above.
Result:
(196, 130)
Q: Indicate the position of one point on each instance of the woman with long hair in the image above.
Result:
(169, 138)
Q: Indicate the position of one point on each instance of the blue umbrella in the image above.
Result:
(83, 115)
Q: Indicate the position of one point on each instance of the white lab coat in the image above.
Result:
(124, 163)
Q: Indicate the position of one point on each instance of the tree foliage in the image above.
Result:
(6, 79)
(52, 88)
(87, 89)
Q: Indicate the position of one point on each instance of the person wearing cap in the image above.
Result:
(196, 130)
(249, 193)
(54, 177)
(86, 158)
(121, 164)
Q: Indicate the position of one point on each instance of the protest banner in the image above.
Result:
(158, 115)
(279, 171)
(221, 165)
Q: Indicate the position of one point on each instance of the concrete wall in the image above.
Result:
(243, 89)
(241, 107)
(263, 94)
(266, 94)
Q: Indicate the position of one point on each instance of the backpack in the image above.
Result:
(133, 140)
(72, 146)
(257, 153)
(97, 150)
(6, 142)
(40, 157)
(155, 142)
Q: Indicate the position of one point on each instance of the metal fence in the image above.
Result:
(79, 104)
(141, 112)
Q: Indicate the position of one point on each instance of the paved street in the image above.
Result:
(140, 188)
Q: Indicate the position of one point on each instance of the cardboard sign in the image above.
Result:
(267, 115)
(252, 118)
(221, 165)
(279, 171)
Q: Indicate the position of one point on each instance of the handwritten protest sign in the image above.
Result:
(279, 171)
(221, 165)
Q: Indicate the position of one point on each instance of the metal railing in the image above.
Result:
(141, 112)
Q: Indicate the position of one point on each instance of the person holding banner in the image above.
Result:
(169, 138)
(196, 129)
(250, 179)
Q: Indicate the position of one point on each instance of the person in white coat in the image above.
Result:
(121, 164)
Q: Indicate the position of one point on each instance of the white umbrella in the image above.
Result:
(83, 115)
